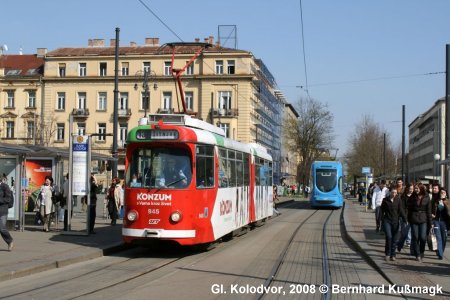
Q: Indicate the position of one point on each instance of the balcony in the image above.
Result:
(225, 112)
(165, 111)
(124, 113)
(80, 112)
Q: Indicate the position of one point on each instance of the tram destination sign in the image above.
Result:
(156, 134)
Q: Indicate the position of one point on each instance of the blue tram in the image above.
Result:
(327, 184)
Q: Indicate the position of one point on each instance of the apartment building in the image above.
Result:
(20, 97)
(227, 87)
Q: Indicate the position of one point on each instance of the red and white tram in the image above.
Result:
(187, 182)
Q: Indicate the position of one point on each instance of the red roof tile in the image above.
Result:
(25, 64)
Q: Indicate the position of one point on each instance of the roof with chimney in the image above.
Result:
(96, 47)
(28, 65)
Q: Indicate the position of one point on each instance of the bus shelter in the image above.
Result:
(25, 168)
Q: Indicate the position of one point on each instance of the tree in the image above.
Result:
(309, 135)
(368, 150)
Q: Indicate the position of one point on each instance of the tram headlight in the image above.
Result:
(175, 217)
(132, 216)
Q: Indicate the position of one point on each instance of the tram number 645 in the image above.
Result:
(153, 211)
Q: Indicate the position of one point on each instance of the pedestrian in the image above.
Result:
(93, 199)
(440, 212)
(47, 207)
(419, 216)
(369, 195)
(114, 200)
(400, 186)
(6, 202)
(66, 198)
(275, 200)
(361, 193)
(391, 212)
(405, 227)
(379, 193)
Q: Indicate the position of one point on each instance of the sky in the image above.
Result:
(363, 58)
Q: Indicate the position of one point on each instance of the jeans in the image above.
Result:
(391, 233)
(4, 231)
(378, 216)
(418, 239)
(440, 229)
(405, 235)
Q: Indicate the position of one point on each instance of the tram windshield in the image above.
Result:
(158, 167)
(326, 179)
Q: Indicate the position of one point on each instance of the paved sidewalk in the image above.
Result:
(360, 228)
(36, 251)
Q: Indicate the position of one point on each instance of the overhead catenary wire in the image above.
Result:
(159, 19)
(303, 47)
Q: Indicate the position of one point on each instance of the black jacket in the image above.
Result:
(391, 211)
(419, 211)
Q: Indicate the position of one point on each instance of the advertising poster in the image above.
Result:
(8, 170)
(36, 170)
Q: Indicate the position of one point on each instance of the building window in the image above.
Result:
(101, 101)
(125, 69)
(81, 130)
(103, 70)
(30, 129)
(231, 67)
(144, 102)
(147, 66)
(123, 101)
(167, 100)
(123, 132)
(10, 101)
(219, 66)
(31, 99)
(167, 68)
(101, 131)
(60, 131)
(62, 70)
(61, 105)
(225, 127)
(189, 99)
(9, 129)
(224, 100)
(190, 69)
(81, 100)
(82, 69)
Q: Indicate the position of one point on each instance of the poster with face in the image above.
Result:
(36, 170)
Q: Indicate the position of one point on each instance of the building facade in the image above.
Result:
(227, 87)
(427, 144)
(20, 97)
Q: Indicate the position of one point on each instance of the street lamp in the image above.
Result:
(147, 75)
(437, 157)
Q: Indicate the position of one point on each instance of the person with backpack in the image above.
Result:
(6, 202)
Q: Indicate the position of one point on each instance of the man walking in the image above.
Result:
(379, 193)
(6, 202)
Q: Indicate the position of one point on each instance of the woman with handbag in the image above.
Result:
(440, 213)
(419, 216)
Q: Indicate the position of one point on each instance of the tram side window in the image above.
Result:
(246, 170)
(205, 166)
(223, 172)
(270, 175)
(232, 167)
(257, 172)
(239, 169)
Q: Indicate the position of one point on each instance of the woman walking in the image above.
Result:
(419, 217)
(114, 200)
(391, 212)
(441, 216)
(46, 204)
(405, 227)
